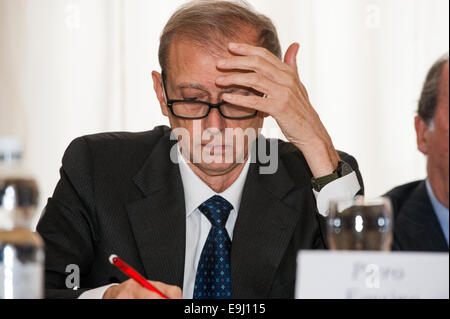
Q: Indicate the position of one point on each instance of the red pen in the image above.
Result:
(130, 272)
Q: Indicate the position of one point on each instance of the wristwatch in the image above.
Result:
(342, 170)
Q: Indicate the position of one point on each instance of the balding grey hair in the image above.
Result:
(430, 93)
(207, 23)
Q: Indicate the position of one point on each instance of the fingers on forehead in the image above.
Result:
(247, 49)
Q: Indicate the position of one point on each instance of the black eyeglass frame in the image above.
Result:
(211, 106)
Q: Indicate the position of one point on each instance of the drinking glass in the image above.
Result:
(360, 224)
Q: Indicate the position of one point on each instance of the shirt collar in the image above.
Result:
(437, 205)
(440, 210)
(196, 192)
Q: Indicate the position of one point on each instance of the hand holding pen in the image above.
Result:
(138, 287)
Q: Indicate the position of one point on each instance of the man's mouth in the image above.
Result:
(215, 147)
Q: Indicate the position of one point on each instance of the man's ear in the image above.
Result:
(422, 132)
(159, 90)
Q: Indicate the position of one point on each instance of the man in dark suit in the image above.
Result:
(200, 214)
(421, 208)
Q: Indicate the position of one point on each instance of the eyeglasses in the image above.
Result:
(198, 110)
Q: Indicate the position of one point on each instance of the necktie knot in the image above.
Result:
(217, 209)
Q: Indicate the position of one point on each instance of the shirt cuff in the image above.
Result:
(344, 188)
(96, 293)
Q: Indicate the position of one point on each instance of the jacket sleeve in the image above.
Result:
(322, 220)
(67, 224)
(354, 164)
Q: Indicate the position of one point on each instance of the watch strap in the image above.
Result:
(342, 170)
(320, 183)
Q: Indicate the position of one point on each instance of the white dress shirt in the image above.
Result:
(196, 192)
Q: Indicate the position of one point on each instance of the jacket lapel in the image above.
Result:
(261, 236)
(262, 233)
(418, 226)
(159, 220)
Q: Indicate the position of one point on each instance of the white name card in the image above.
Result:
(372, 275)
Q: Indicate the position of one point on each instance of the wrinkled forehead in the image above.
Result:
(191, 58)
(188, 45)
(195, 68)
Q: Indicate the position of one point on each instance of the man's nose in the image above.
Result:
(214, 121)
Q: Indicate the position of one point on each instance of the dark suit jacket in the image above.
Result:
(120, 193)
(416, 226)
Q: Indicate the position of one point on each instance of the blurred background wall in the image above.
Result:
(75, 67)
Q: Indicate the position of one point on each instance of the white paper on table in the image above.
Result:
(372, 275)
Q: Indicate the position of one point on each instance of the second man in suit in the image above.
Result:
(421, 208)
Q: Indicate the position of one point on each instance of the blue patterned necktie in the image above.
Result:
(213, 280)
